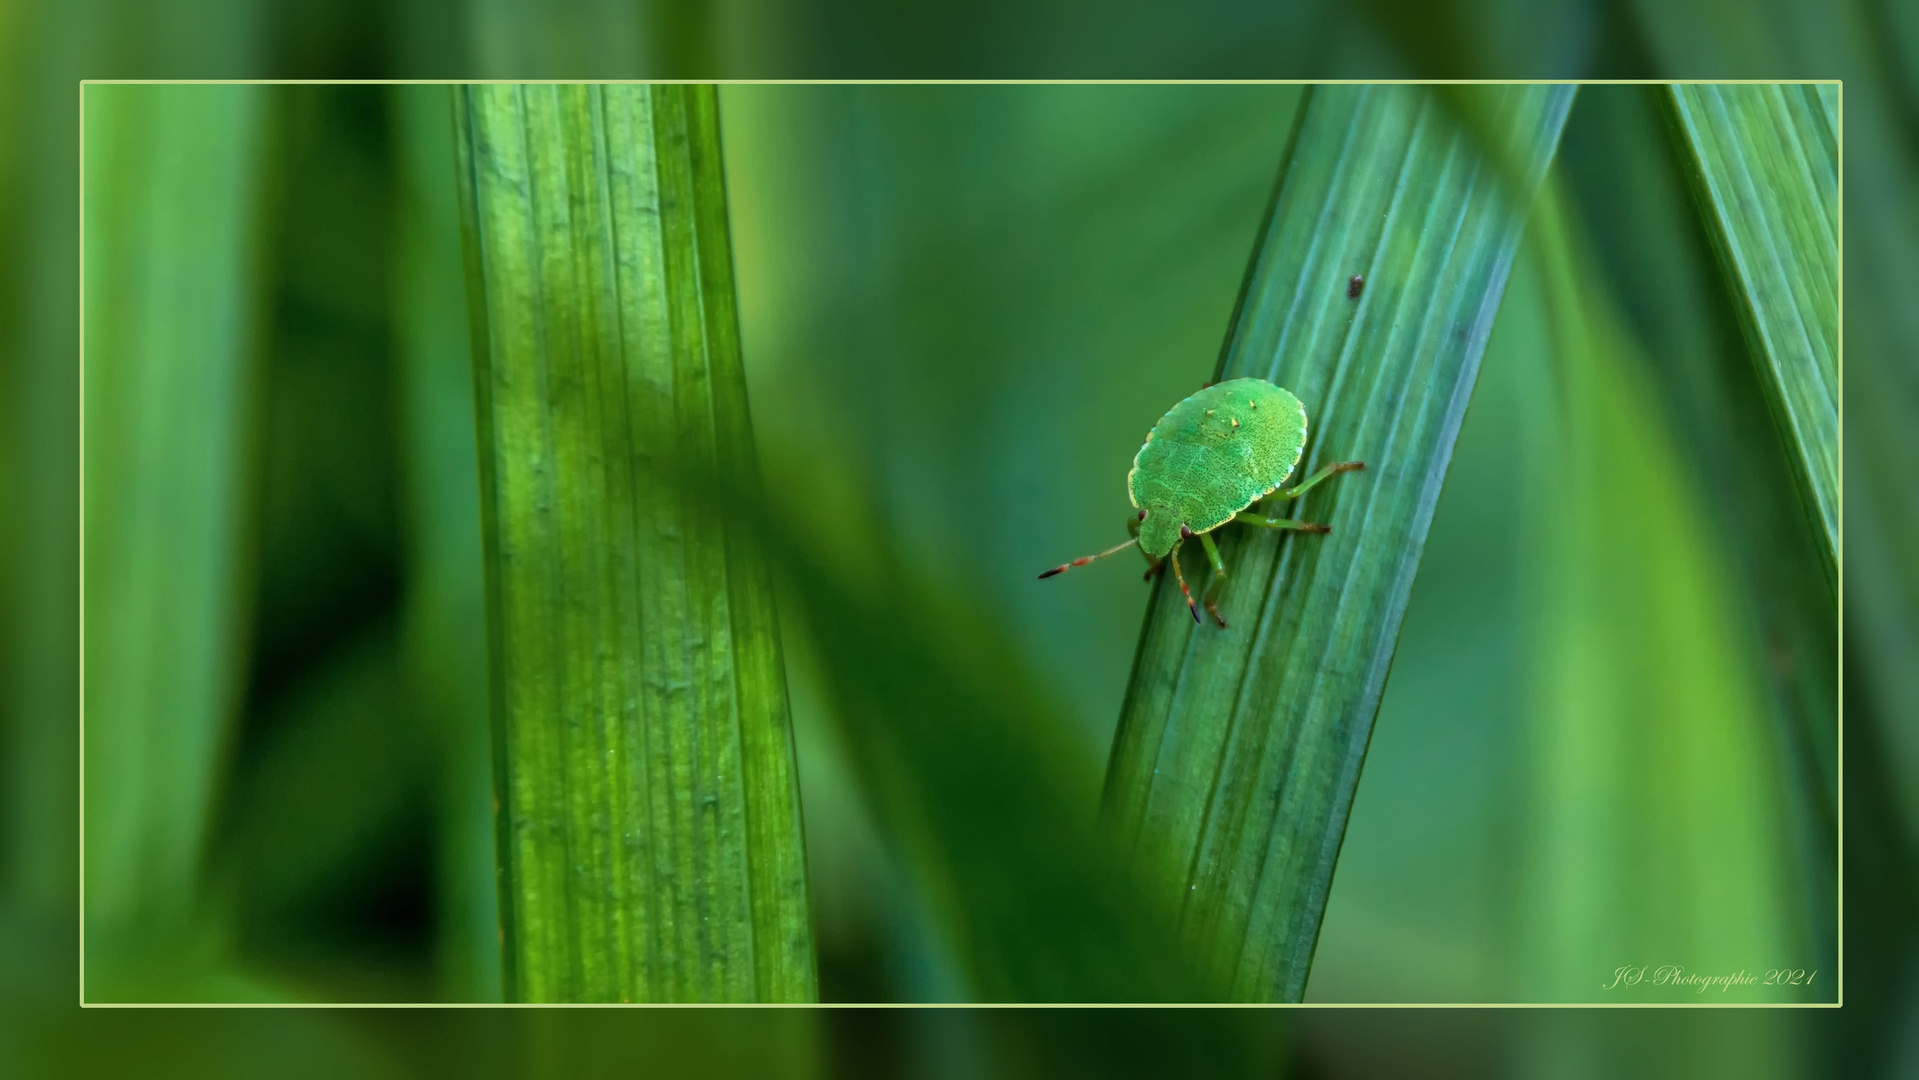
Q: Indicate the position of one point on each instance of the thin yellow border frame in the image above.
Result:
(1839, 555)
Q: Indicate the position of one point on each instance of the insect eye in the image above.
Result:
(1142, 515)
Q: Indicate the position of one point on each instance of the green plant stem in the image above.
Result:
(1238, 751)
(648, 821)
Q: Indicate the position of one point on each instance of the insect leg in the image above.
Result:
(1335, 467)
(1282, 523)
(1219, 578)
(1173, 557)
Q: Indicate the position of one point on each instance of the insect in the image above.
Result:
(1353, 286)
(1206, 462)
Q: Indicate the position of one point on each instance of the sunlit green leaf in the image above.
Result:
(648, 819)
(1238, 750)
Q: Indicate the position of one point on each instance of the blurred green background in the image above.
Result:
(965, 302)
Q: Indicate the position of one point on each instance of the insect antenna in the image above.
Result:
(1084, 559)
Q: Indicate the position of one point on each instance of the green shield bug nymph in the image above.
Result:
(1206, 462)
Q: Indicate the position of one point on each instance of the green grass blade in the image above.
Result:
(1767, 174)
(649, 822)
(1238, 751)
(172, 192)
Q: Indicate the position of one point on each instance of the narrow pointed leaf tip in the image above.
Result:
(1766, 163)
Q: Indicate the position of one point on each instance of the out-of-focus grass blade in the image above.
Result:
(172, 189)
(1656, 249)
(445, 641)
(1238, 750)
(649, 825)
(1655, 849)
(1767, 161)
(976, 780)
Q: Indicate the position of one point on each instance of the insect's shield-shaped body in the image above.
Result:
(1212, 456)
(1207, 460)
